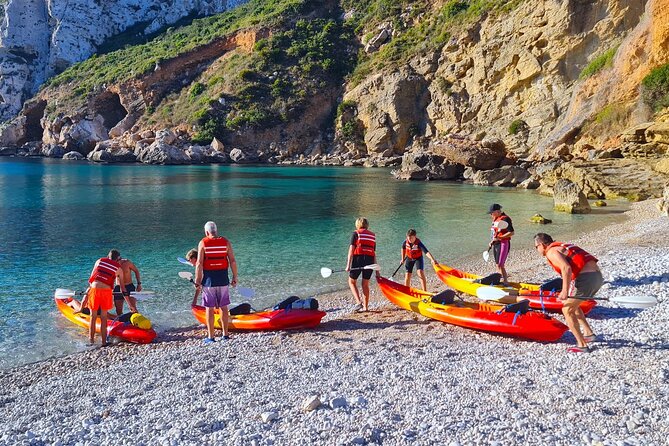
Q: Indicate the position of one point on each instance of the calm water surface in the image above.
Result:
(57, 218)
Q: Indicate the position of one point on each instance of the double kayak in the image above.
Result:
(540, 300)
(282, 319)
(123, 330)
(491, 318)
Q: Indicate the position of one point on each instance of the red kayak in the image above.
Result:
(123, 330)
(289, 319)
(492, 318)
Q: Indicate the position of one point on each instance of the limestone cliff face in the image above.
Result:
(39, 38)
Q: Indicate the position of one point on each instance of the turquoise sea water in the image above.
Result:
(57, 218)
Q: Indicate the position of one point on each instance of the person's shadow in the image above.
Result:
(600, 313)
(629, 281)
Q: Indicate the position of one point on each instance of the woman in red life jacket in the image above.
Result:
(501, 238)
(361, 252)
(99, 294)
(577, 265)
(214, 256)
(412, 255)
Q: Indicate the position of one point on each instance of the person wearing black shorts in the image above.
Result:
(361, 252)
(412, 256)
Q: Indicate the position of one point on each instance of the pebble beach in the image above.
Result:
(383, 377)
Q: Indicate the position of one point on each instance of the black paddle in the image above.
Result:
(400, 265)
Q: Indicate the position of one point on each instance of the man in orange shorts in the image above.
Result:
(99, 297)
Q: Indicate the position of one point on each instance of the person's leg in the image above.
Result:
(352, 283)
(569, 309)
(583, 322)
(587, 285)
(365, 293)
(423, 280)
(224, 302)
(407, 279)
(103, 326)
(224, 319)
(501, 260)
(91, 327)
(209, 311)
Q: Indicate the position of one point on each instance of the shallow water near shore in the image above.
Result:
(285, 223)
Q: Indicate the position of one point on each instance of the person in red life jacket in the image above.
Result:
(99, 296)
(128, 268)
(577, 265)
(361, 252)
(501, 238)
(412, 255)
(214, 256)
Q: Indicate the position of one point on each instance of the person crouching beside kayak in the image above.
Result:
(214, 256)
(128, 268)
(573, 263)
(501, 238)
(99, 293)
(361, 252)
(191, 256)
(412, 255)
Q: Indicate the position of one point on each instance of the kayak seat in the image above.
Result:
(446, 297)
(492, 279)
(244, 308)
(286, 303)
(521, 307)
(552, 285)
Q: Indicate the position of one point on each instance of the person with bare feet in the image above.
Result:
(128, 268)
(361, 252)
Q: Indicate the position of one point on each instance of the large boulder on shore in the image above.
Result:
(480, 155)
(507, 176)
(568, 197)
(427, 166)
(161, 153)
(663, 204)
(73, 155)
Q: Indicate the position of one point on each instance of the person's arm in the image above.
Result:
(427, 254)
(84, 301)
(509, 230)
(559, 260)
(378, 273)
(199, 270)
(349, 259)
(133, 269)
(196, 295)
(402, 252)
(120, 277)
(233, 265)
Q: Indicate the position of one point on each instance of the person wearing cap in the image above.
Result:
(214, 256)
(500, 238)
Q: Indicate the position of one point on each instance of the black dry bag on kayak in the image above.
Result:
(244, 308)
(552, 285)
(286, 303)
(492, 279)
(446, 297)
(305, 304)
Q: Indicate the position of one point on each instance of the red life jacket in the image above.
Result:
(105, 272)
(412, 251)
(495, 230)
(577, 258)
(365, 244)
(215, 253)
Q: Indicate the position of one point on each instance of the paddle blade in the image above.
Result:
(142, 295)
(502, 224)
(490, 293)
(63, 293)
(486, 255)
(246, 292)
(373, 267)
(634, 301)
(184, 261)
(186, 275)
(326, 272)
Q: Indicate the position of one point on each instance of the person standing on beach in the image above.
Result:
(501, 238)
(361, 252)
(98, 296)
(214, 256)
(573, 264)
(191, 256)
(412, 255)
(128, 268)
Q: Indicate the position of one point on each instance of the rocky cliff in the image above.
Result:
(39, 38)
(517, 93)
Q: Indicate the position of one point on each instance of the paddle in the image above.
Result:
(327, 272)
(400, 266)
(184, 261)
(243, 291)
(486, 254)
(502, 224)
(62, 293)
(491, 293)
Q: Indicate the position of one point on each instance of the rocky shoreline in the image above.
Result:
(383, 377)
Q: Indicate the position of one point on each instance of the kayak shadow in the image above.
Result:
(356, 324)
(601, 313)
(180, 334)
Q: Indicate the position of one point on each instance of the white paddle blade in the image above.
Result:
(373, 267)
(502, 224)
(326, 272)
(486, 255)
(246, 292)
(63, 293)
(186, 275)
(634, 301)
(142, 295)
(184, 261)
(490, 293)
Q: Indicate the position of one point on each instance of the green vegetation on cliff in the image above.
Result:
(604, 60)
(655, 87)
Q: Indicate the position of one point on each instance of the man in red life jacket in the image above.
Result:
(99, 293)
(214, 256)
(412, 255)
(501, 238)
(577, 265)
(361, 252)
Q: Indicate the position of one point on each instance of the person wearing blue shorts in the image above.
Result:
(214, 256)
(412, 256)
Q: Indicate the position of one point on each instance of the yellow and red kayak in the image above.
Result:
(540, 300)
(491, 318)
(288, 319)
(122, 330)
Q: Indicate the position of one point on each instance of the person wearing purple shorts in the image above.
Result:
(214, 256)
(501, 238)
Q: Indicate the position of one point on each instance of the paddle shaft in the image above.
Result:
(400, 266)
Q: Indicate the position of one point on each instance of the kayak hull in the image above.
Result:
(490, 318)
(292, 319)
(121, 330)
(547, 300)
